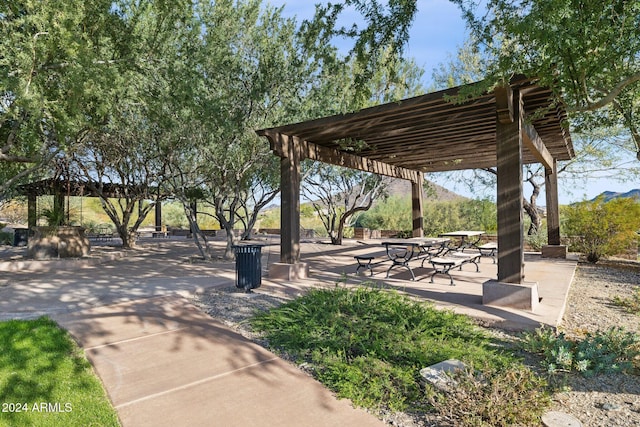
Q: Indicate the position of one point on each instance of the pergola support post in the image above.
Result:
(289, 267)
(510, 219)
(510, 290)
(554, 249)
(417, 206)
(158, 215)
(32, 211)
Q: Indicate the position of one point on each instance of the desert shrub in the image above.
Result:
(630, 304)
(368, 344)
(602, 352)
(537, 240)
(439, 217)
(598, 228)
(394, 213)
(492, 398)
(6, 238)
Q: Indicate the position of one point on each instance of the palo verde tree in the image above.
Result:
(56, 78)
(121, 158)
(586, 51)
(122, 165)
(246, 68)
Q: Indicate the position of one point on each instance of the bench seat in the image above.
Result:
(365, 261)
(444, 264)
(489, 250)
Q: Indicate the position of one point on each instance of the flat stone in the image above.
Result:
(436, 375)
(560, 419)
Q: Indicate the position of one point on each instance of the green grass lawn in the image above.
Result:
(45, 380)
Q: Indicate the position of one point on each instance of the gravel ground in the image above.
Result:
(605, 400)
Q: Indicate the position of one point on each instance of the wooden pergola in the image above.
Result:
(61, 188)
(505, 128)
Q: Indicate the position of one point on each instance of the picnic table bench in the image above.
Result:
(468, 239)
(489, 250)
(401, 251)
(366, 261)
(444, 264)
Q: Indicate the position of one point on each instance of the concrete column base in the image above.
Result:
(284, 271)
(523, 296)
(554, 251)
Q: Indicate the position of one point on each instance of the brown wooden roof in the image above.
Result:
(429, 133)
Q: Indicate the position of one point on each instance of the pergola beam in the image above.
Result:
(536, 146)
(309, 150)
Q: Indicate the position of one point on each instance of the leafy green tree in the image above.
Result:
(245, 69)
(377, 43)
(337, 194)
(123, 167)
(56, 77)
(252, 72)
(122, 158)
(587, 51)
(598, 228)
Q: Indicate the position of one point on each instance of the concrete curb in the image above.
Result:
(58, 264)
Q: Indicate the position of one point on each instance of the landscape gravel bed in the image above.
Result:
(603, 400)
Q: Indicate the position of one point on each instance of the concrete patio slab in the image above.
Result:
(164, 362)
(167, 267)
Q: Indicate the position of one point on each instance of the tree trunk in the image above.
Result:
(530, 206)
(229, 253)
(536, 220)
(128, 237)
(227, 225)
(195, 231)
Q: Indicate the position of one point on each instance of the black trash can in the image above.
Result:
(248, 266)
(20, 236)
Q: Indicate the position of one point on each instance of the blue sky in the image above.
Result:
(437, 31)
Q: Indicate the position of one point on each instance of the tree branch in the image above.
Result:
(610, 97)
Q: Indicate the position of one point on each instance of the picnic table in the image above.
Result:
(401, 251)
(468, 239)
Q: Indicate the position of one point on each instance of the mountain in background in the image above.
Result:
(609, 195)
(434, 192)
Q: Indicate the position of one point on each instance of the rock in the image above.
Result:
(609, 407)
(560, 419)
(436, 375)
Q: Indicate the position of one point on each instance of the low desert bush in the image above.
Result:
(630, 304)
(598, 228)
(492, 398)
(602, 352)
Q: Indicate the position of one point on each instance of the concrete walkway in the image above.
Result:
(165, 363)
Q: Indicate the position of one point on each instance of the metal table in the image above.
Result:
(401, 251)
(468, 239)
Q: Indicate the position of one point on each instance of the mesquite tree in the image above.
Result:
(338, 194)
